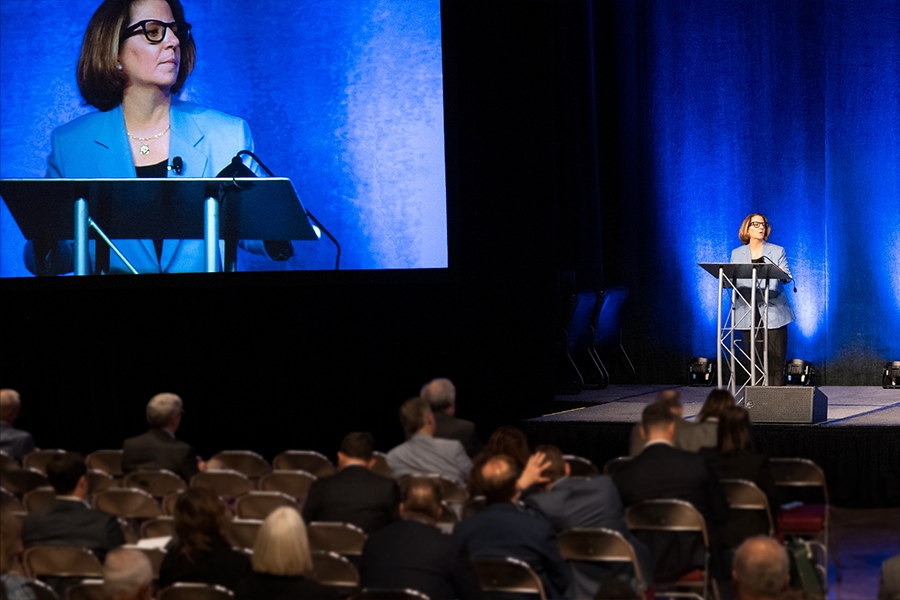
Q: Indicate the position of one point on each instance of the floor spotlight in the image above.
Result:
(702, 371)
(891, 376)
(798, 372)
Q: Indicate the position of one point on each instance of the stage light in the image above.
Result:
(891, 377)
(798, 372)
(702, 371)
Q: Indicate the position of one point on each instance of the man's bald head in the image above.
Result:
(498, 479)
(761, 569)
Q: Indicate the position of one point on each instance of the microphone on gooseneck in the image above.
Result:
(793, 279)
(177, 165)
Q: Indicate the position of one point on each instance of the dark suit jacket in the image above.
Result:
(261, 586)
(661, 471)
(413, 554)
(353, 495)
(579, 502)
(73, 523)
(15, 442)
(463, 431)
(220, 566)
(752, 466)
(155, 450)
(506, 529)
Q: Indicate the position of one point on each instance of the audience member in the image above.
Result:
(70, 521)
(580, 502)
(15, 442)
(506, 440)
(14, 586)
(761, 569)
(158, 448)
(127, 575)
(734, 458)
(704, 433)
(671, 399)
(423, 453)
(662, 471)
(200, 552)
(889, 586)
(354, 494)
(282, 564)
(441, 395)
(414, 553)
(504, 528)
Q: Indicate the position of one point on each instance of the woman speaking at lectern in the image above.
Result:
(135, 58)
(755, 248)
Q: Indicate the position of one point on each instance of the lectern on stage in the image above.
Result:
(241, 208)
(728, 274)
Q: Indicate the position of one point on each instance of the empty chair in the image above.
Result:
(332, 569)
(7, 461)
(605, 546)
(108, 461)
(750, 512)
(507, 575)
(42, 591)
(293, 483)
(158, 527)
(243, 532)
(227, 484)
(304, 460)
(381, 466)
(385, 594)
(20, 481)
(100, 480)
(8, 501)
(342, 538)
(39, 459)
(580, 466)
(156, 483)
(127, 503)
(451, 490)
(89, 589)
(168, 503)
(195, 591)
(614, 464)
(249, 463)
(39, 501)
(61, 561)
(258, 505)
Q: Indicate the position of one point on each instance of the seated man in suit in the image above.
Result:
(414, 553)
(354, 494)
(580, 502)
(441, 395)
(127, 575)
(505, 528)
(423, 453)
(761, 569)
(684, 433)
(15, 442)
(158, 448)
(70, 521)
(662, 471)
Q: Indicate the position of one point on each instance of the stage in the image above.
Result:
(858, 446)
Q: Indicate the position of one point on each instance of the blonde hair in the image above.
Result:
(282, 547)
(745, 226)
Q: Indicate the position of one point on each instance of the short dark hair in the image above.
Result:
(64, 471)
(655, 416)
(500, 485)
(421, 495)
(413, 413)
(358, 444)
(102, 84)
(734, 431)
(554, 456)
(714, 404)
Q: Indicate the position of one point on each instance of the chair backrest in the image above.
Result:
(7, 461)
(342, 538)
(249, 463)
(38, 459)
(127, 503)
(745, 495)
(614, 464)
(388, 594)
(580, 466)
(304, 460)
(39, 501)
(108, 461)
(608, 321)
(666, 515)
(381, 466)
(330, 568)
(168, 503)
(451, 490)
(89, 589)
(227, 484)
(258, 505)
(598, 545)
(798, 472)
(194, 591)
(293, 483)
(579, 330)
(100, 480)
(472, 506)
(20, 481)
(61, 561)
(158, 527)
(41, 590)
(509, 575)
(156, 483)
(8, 501)
(449, 516)
(243, 532)
(154, 555)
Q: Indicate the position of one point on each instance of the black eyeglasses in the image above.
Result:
(757, 224)
(155, 31)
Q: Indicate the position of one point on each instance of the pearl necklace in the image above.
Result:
(145, 148)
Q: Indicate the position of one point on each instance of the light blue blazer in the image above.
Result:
(780, 312)
(96, 146)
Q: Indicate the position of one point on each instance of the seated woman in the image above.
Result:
(704, 433)
(282, 562)
(201, 553)
(734, 458)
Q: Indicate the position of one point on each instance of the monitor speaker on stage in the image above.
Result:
(789, 404)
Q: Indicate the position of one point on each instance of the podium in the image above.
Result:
(210, 209)
(728, 274)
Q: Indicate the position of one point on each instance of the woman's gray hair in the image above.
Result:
(125, 572)
(161, 409)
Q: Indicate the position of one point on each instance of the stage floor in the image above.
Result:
(847, 405)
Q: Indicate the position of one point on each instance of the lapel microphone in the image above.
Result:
(177, 165)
